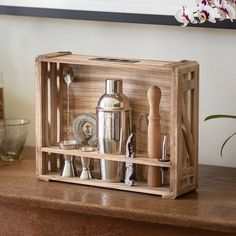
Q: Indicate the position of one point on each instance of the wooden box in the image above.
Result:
(179, 84)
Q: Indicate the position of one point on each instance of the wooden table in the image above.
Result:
(31, 207)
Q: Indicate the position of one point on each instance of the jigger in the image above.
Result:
(85, 174)
(68, 169)
(85, 161)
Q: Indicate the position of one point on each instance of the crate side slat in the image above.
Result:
(38, 113)
(189, 146)
(195, 121)
(41, 112)
(173, 130)
(53, 103)
(187, 134)
(179, 143)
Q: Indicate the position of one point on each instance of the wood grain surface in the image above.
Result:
(41, 208)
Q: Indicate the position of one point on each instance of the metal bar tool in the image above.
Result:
(129, 173)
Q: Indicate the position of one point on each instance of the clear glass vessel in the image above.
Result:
(13, 133)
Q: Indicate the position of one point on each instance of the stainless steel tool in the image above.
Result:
(69, 168)
(68, 78)
(130, 153)
(85, 174)
(113, 128)
(164, 158)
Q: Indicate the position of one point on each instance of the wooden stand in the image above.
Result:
(178, 82)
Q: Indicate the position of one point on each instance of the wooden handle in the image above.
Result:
(154, 135)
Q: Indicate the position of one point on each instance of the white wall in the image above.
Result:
(163, 7)
(22, 38)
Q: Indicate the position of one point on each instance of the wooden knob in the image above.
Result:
(154, 97)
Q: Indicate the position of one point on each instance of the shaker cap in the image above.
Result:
(113, 86)
(113, 100)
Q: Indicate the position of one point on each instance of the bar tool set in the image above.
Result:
(111, 130)
(129, 125)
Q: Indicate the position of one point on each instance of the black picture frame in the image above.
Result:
(139, 18)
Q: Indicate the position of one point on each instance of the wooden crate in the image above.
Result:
(179, 84)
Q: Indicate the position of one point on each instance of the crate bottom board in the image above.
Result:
(138, 187)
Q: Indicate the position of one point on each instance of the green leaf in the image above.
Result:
(222, 147)
(219, 116)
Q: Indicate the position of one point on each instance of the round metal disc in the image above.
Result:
(84, 129)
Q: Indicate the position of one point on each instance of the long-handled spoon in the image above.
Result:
(68, 78)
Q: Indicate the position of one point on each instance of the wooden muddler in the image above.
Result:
(154, 135)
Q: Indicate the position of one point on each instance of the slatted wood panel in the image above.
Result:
(178, 82)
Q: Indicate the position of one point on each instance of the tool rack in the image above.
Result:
(179, 84)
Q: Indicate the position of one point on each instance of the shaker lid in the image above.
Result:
(113, 99)
(113, 86)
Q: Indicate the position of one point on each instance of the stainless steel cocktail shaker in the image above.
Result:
(113, 128)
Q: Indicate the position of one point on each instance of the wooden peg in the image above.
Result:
(154, 135)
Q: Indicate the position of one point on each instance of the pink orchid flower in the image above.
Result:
(205, 11)
(185, 16)
(225, 9)
(208, 10)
